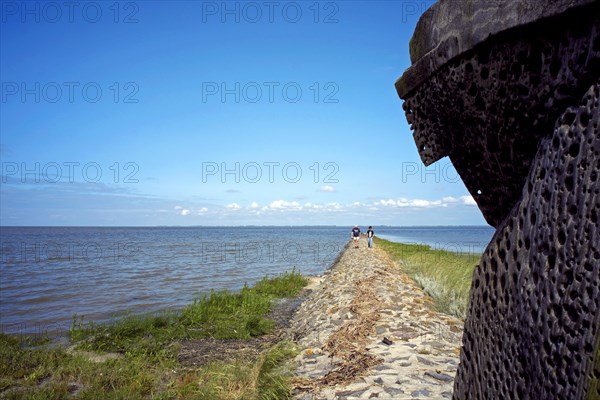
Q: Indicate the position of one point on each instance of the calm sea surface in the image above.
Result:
(458, 239)
(50, 274)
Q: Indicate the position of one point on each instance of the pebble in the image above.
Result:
(421, 362)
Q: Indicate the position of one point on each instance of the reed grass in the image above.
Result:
(444, 275)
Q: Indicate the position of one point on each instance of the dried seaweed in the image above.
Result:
(348, 342)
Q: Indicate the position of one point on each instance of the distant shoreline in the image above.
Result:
(242, 226)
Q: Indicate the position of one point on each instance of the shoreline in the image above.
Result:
(62, 337)
(43, 330)
(142, 279)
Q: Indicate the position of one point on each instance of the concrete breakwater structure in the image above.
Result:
(367, 331)
(510, 92)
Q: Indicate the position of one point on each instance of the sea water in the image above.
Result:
(50, 274)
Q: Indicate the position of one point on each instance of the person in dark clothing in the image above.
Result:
(355, 235)
(370, 235)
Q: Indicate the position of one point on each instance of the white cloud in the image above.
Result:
(426, 203)
(277, 204)
(181, 210)
(334, 206)
(284, 205)
(281, 209)
(415, 203)
(327, 189)
(421, 203)
(387, 202)
(468, 200)
(449, 199)
(233, 206)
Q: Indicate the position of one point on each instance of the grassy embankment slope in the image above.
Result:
(145, 348)
(444, 275)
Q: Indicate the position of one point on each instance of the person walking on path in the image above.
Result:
(370, 235)
(355, 235)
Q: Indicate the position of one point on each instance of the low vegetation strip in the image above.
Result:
(444, 275)
(138, 354)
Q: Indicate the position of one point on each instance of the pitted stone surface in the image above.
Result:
(488, 109)
(450, 28)
(534, 317)
(509, 113)
(422, 359)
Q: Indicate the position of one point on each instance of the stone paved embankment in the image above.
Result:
(340, 330)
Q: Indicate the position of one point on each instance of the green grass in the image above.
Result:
(266, 379)
(220, 315)
(594, 381)
(147, 366)
(286, 285)
(225, 315)
(444, 275)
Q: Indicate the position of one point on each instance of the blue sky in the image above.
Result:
(214, 113)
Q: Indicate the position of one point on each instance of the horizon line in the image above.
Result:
(237, 226)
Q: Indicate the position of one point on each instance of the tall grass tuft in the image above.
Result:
(273, 375)
(444, 275)
(266, 379)
(286, 285)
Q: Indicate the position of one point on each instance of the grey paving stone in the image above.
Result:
(420, 393)
(440, 376)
